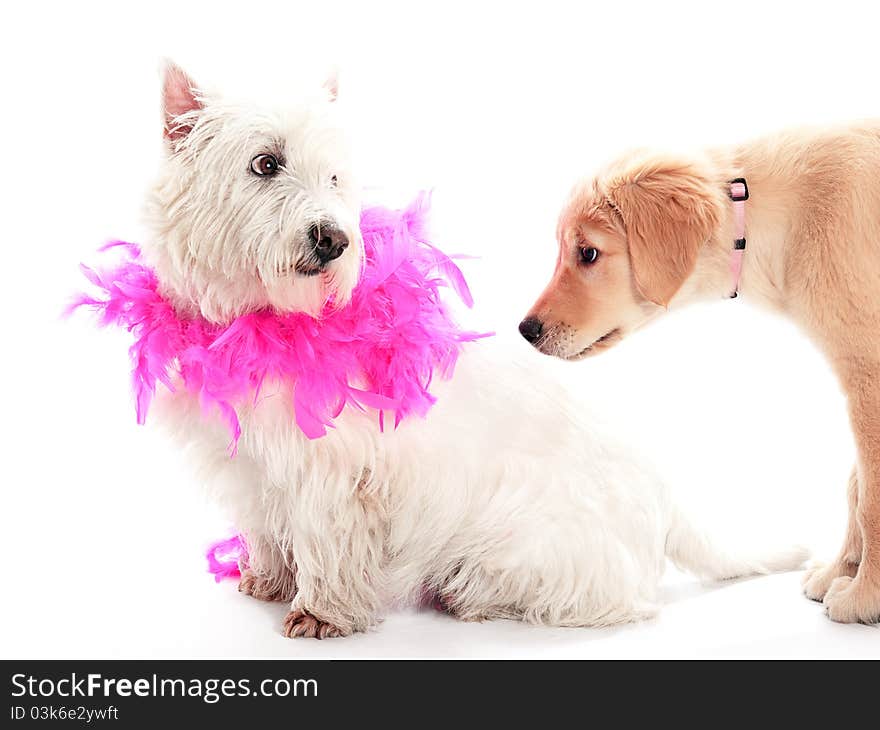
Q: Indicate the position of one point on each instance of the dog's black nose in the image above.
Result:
(329, 242)
(531, 328)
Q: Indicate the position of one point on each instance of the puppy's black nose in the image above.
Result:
(329, 242)
(531, 328)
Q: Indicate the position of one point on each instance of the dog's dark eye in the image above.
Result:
(333, 181)
(264, 165)
(589, 255)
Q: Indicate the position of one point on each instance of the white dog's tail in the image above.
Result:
(693, 551)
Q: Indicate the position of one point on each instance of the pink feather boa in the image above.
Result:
(394, 335)
(227, 558)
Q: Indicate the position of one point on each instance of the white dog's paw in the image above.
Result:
(818, 579)
(302, 624)
(852, 600)
(263, 588)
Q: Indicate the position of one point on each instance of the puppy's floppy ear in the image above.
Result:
(669, 208)
(180, 98)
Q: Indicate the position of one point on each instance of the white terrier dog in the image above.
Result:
(505, 501)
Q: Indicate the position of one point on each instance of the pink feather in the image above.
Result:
(227, 557)
(393, 335)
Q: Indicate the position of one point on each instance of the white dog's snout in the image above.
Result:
(328, 240)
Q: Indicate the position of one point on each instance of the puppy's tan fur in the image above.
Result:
(664, 229)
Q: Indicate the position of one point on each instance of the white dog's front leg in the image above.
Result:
(270, 573)
(340, 571)
(337, 605)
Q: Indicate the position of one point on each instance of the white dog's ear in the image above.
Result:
(180, 97)
(331, 84)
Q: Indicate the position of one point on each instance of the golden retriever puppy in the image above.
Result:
(791, 221)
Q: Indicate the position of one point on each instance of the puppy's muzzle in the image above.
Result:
(328, 241)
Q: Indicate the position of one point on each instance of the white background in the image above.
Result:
(498, 108)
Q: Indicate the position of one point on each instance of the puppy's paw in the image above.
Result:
(302, 624)
(852, 600)
(817, 580)
(262, 587)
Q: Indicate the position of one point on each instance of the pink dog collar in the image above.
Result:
(739, 194)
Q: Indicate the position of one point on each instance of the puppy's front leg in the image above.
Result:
(851, 600)
(818, 580)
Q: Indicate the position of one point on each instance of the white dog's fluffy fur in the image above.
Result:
(505, 502)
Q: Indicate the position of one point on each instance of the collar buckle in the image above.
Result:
(738, 190)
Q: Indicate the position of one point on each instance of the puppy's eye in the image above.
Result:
(589, 255)
(264, 165)
(333, 181)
